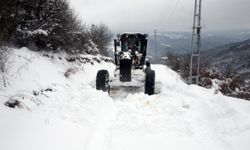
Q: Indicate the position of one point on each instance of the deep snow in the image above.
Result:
(75, 116)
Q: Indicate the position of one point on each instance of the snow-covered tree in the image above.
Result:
(41, 24)
(4, 56)
(101, 36)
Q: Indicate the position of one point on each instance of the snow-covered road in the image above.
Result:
(75, 116)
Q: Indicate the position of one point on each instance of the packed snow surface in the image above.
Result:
(68, 113)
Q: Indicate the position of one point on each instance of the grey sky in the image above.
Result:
(164, 15)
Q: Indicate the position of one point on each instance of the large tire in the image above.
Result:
(150, 82)
(102, 80)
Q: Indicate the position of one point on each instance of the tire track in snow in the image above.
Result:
(99, 137)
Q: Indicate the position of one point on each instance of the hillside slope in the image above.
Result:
(180, 42)
(235, 56)
(68, 113)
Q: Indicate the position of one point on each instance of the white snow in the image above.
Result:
(174, 36)
(75, 116)
(40, 31)
(125, 55)
(35, 32)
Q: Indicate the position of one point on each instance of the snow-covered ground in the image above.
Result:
(63, 113)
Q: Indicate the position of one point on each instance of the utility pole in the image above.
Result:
(155, 34)
(196, 45)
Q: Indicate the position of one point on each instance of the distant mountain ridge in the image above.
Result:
(234, 56)
(180, 42)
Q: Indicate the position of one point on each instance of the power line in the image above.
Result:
(173, 11)
(176, 4)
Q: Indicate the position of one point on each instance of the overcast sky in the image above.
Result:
(163, 15)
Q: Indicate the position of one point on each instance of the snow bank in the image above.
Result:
(68, 113)
(181, 116)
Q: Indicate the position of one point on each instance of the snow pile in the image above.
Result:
(66, 112)
(35, 32)
(181, 116)
(39, 31)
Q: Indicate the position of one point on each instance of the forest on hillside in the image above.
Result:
(50, 25)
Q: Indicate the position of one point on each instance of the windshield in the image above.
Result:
(131, 42)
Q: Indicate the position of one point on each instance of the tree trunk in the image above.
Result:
(4, 81)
